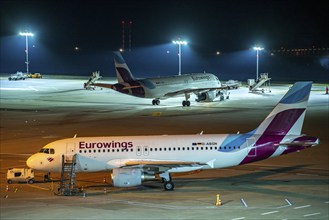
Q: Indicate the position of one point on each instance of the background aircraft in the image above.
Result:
(205, 86)
(134, 159)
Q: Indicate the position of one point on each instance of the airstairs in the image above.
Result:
(67, 185)
(93, 78)
(263, 80)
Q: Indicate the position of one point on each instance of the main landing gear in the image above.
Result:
(155, 102)
(168, 185)
(186, 102)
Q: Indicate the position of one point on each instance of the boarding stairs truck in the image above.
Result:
(93, 78)
(262, 80)
(20, 175)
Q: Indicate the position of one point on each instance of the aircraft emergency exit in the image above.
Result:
(134, 159)
(205, 86)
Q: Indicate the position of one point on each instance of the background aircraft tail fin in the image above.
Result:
(288, 115)
(121, 68)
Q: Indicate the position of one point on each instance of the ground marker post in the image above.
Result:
(218, 201)
(243, 202)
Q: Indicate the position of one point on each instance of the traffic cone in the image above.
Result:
(326, 90)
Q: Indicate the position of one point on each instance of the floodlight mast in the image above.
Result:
(257, 55)
(179, 42)
(26, 34)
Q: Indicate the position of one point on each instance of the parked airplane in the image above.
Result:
(134, 159)
(205, 86)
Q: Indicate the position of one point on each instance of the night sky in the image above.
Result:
(231, 27)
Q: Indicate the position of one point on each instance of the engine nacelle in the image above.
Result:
(208, 96)
(127, 177)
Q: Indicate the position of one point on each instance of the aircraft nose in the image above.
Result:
(31, 162)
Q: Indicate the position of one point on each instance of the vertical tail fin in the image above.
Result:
(121, 68)
(288, 116)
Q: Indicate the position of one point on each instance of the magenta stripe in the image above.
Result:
(274, 133)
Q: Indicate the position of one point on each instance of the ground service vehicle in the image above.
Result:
(20, 175)
(17, 76)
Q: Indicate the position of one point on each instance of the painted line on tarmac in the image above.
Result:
(38, 187)
(327, 202)
(301, 207)
(238, 218)
(317, 213)
(268, 213)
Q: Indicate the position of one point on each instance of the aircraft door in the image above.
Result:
(70, 151)
(251, 145)
(139, 151)
(146, 150)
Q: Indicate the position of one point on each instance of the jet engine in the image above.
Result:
(127, 177)
(208, 96)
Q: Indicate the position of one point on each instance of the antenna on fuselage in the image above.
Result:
(75, 135)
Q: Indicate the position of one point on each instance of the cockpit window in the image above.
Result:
(47, 150)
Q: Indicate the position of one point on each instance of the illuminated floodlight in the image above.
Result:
(26, 34)
(180, 43)
(257, 55)
(258, 48)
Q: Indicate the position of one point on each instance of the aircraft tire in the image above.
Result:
(157, 102)
(168, 186)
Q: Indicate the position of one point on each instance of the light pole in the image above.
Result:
(179, 42)
(257, 57)
(26, 34)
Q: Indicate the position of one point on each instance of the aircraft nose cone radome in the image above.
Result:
(31, 162)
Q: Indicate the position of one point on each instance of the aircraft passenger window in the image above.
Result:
(52, 151)
(155, 149)
(197, 148)
(85, 151)
(112, 150)
(174, 148)
(94, 151)
(118, 150)
(160, 149)
(178, 148)
(99, 151)
(151, 149)
(131, 150)
(145, 148)
(104, 150)
(215, 148)
(201, 148)
(138, 149)
(183, 148)
(164, 149)
(192, 148)
(224, 147)
(188, 148)
(169, 148)
(210, 148)
(89, 151)
(80, 151)
(108, 150)
(206, 148)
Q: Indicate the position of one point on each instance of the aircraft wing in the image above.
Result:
(103, 85)
(110, 86)
(163, 165)
(193, 90)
